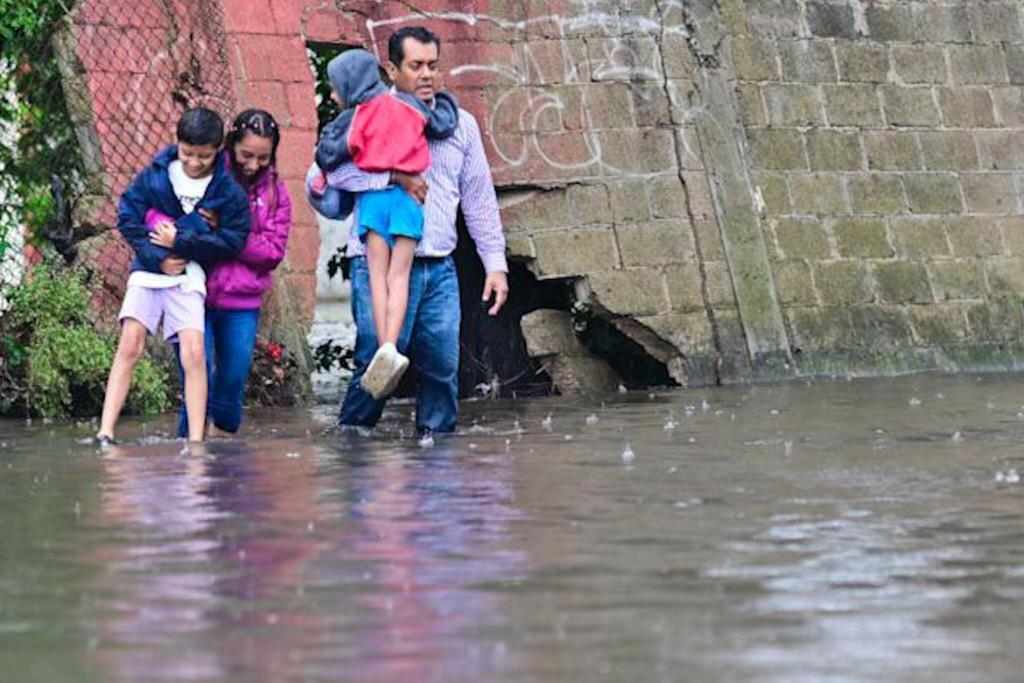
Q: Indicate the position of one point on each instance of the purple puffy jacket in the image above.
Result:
(239, 284)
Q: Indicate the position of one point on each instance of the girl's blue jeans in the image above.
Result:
(230, 339)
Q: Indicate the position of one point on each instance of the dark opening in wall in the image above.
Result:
(637, 368)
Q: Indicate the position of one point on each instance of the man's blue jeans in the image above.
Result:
(229, 339)
(430, 337)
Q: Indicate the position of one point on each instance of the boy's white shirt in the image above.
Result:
(188, 191)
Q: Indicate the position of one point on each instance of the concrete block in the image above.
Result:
(998, 320)
(691, 333)
(910, 106)
(990, 193)
(902, 282)
(801, 238)
(774, 192)
(548, 332)
(608, 105)
(1001, 150)
(1015, 63)
(949, 150)
(892, 151)
(655, 243)
(667, 196)
(628, 199)
(825, 328)
(755, 58)
(562, 253)
(890, 22)
(852, 104)
(862, 61)
(719, 284)
(830, 20)
(916, 237)
(639, 291)
(933, 192)
(710, 237)
(685, 291)
(881, 327)
(1009, 105)
(862, 238)
(876, 193)
(996, 22)
(751, 107)
(817, 193)
(589, 204)
(794, 283)
(1006, 276)
(975, 236)
(807, 61)
(919, 63)
(537, 210)
(965, 107)
(977, 64)
(843, 282)
(1012, 228)
(956, 280)
(646, 150)
(830, 150)
(939, 324)
(793, 104)
(777, 149)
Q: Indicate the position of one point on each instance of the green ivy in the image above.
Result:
(44, 139)
(57, 360)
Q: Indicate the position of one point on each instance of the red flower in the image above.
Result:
(275, 351)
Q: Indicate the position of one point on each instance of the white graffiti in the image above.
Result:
(620, 47)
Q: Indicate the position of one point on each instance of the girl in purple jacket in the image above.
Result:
(234, 289)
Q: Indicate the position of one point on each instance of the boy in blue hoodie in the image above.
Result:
(190, 183)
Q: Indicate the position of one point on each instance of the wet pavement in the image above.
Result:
(813, 531)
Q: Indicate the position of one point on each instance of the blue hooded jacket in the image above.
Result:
(195, 239)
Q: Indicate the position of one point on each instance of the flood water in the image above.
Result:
(828, 531)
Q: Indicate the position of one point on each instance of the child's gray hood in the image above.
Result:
(355, 75)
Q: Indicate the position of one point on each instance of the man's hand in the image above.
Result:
(496, 284)
(415, 185)
(210, 217)
(163, 235)
(172, 265)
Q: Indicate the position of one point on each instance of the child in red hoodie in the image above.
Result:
(382, 130)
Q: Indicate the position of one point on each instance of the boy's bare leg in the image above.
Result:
(193, 362)
(130, 346)
(398, 287)
(378, 258)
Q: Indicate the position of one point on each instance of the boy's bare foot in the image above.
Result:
(104, 440)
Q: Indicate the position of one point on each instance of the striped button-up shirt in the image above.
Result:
(458, 173)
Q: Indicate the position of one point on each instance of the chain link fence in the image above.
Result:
(129, 70)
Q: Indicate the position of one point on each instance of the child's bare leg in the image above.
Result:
(378, 258)
(129, 350)
(398, 287)
(193, 362)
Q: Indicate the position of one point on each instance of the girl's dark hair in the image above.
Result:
(258, 122)
(201, 126)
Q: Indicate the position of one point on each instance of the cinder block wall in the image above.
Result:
(748, 188)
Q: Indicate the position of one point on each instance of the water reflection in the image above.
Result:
(825, 532)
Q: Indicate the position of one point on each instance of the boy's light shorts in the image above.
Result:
(389, 213)
(179, 309)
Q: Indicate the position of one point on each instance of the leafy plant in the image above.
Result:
(273, 379)
(33, 113)
(330, 354)
(55, 361)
